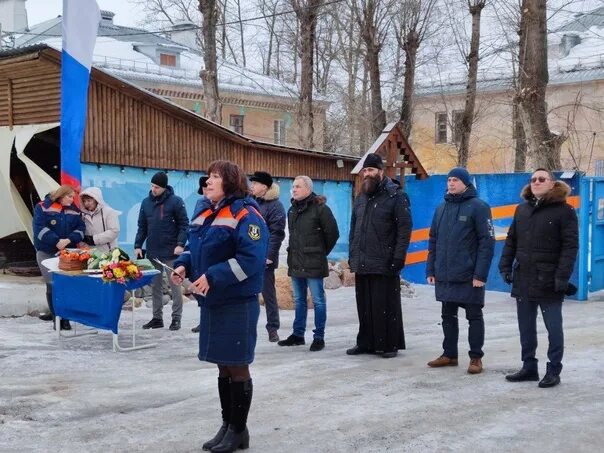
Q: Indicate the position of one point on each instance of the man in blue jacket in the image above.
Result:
(461, 247)
(266, 194)
(162, 223)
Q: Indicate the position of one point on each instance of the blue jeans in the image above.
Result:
(300, 286)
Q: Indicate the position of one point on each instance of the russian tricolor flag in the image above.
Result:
(80, 26)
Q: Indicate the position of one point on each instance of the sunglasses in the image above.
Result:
(541, 179)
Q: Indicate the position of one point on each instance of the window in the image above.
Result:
(279, 132)
(457, 119)
(166, 59)
(441, 127)
(236, 123)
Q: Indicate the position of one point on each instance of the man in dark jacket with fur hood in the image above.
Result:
(538, 259)
(162, 224)
(380, 231)
(266, 193)
(460, 250)
(313, 233)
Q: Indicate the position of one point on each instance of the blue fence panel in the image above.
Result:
(125, 188)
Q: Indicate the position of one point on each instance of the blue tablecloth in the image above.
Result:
(90, 301)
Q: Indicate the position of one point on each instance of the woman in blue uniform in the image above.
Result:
(228, 242)
(57, 224)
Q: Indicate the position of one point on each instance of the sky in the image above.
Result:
(126, 13)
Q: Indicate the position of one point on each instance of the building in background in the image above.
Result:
(254, 105)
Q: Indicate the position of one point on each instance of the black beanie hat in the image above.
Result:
(160, 179)
(202, 184)
(373, 161)
(262, 177)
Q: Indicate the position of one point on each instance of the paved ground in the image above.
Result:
(78, 396)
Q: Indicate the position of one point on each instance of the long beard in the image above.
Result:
(370, 184)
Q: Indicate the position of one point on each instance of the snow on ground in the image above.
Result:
(76, 395)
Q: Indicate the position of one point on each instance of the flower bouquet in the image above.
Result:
(120, 271)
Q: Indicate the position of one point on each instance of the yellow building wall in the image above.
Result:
(574, 109)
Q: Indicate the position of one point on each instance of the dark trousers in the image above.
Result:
(451, 329)
(527, 324)
(269, 294)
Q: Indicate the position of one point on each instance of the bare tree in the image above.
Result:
(306, 12)
(411, 26)
(374, 19)
(544, 145)
(475, 7)
(209, 75)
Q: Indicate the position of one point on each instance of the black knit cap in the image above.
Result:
(262, 177)
(202, 184)
(160, 179)
(373, 161)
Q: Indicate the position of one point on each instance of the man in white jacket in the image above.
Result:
(102, 224)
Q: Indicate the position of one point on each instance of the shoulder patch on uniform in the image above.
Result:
(491, 228)
(253, 232)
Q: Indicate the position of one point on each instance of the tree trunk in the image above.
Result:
(209, 75)
(378, 115)
(241, 33)
(363, 129)
(410, 46)
(463, 152)
(544, 145)
(307, 17)
(520, 140)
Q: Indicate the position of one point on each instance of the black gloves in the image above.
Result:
(560, 286)
(507, 277)
(89, 240)
(397, 264)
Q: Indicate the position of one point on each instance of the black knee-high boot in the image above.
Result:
(237, 435)
(224, 392)
(50, 316)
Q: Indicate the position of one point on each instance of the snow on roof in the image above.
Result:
(116, 51)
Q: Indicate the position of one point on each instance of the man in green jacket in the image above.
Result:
(313, 233)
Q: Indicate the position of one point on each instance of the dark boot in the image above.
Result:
(523, 375)
(549, 380)
(237, 436)
(224, 392)
(50, 315)
(65, 324)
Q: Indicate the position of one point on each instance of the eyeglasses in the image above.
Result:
(541, 179)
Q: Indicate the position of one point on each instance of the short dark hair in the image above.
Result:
(549, 173)
(234, 181)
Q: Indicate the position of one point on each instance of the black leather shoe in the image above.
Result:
(46, 317)
(154, 324)
(356, 350)
(317, 345)
(389, 355)
(523, 375)
(195, 329)
(175, 325)
(549, 380)
(273, 336)
(292, 340)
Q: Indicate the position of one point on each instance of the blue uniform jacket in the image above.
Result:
(162, 222)
(53, 221)
(228, 243)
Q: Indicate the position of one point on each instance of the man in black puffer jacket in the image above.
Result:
(162, 223)
(538, 259)
(313, 233)
(266, 194)
(380, 230)
(460, 250)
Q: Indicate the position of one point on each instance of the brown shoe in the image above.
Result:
(475, 366)
(442, 361)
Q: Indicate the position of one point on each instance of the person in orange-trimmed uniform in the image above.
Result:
(225, 260)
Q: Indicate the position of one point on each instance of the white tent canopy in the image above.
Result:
(16, 215)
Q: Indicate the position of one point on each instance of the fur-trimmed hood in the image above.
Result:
(558, 194)
(272, 193)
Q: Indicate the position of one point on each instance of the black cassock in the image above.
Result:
(380, 314)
